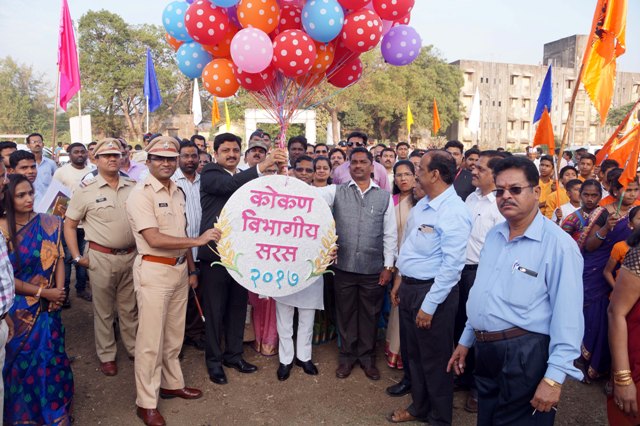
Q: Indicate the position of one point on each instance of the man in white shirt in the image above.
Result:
(484, 215)
(46, 167)
(72, 173)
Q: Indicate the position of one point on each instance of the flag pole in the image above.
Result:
(80, 114)
(55, 111)
(147, 114)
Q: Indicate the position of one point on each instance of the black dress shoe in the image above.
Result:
(241, 365)
(217, 376)
(283, 371)
(196, 343)
(307, 366)
(401, 389)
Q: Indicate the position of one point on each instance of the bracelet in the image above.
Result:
(552, 383)
(194, 272)
(37, 296)
(625, 382)
(621, 373)
(600, 237)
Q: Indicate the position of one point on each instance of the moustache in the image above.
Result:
(507, 203)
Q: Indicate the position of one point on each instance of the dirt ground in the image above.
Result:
(259, 398)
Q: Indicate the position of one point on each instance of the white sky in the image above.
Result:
(490, 30)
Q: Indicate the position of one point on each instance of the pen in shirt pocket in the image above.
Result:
(517, 267)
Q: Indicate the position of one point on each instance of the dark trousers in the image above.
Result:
(359, 300)
(193, 326)
(428, 352)
(225, 309)
(81, 272)
(466, 281)
(507, 374)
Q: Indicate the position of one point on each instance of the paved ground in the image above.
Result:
(260, 399)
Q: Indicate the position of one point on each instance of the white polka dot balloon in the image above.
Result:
(173, 20)
(251, 50)
(362, 30)
(401, 45)
(392, 9)
(206, 23)
(348, 74)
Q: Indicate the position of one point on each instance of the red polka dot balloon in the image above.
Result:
(362, 30)
(353, 4)
(324, 57)
(290, 19)
(223, 48)
(205, 22)
(294, 53)
(402, 21)
(255, 81)
(219, 79)
(392, 9)
(348, 74)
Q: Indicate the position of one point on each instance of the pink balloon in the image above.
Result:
(251, 50)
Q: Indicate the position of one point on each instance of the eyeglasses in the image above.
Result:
(514, 190)
(355, 143)
(303, 169)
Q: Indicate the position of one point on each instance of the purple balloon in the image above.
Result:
(232, 13)
(401, 45)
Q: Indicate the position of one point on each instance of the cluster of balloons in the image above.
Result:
(247, 43)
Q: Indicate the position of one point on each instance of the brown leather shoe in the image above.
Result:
(109, 368)
(343, 371)
(150, 416)
(184, 393)
(372, 372)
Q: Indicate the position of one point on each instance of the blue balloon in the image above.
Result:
(225, 3)
(322, 19)
(192, 59)
(173, 20)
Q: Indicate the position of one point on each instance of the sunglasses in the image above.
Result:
(355, 143)
(302, 169)
(514, 190)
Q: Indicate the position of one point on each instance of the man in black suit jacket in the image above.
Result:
(462, 181)
(225, 301)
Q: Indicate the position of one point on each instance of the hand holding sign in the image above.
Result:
(212, 234)
(276, 156)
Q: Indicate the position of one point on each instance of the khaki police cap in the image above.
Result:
(107, 146)
(163, 146)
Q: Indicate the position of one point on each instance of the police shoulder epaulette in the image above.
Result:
(86, 182)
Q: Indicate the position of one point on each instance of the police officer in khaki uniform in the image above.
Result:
(162, 273)
(100, 205)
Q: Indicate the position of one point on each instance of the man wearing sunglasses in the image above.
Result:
(524, 311)
(342, 173)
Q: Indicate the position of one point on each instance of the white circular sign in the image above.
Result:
(276, 235)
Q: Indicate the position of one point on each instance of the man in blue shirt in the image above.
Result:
(430, 262)
(524, 309)
(46, 167)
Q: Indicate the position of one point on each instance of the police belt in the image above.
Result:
(102, 249)
(410, 280)
(171, 261)
(495, 336)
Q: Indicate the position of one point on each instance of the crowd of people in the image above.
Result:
(480, 270)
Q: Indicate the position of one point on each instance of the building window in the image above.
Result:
(481, 79)
(499, 103)
(493, 103)
(569, 84)
(514, 79)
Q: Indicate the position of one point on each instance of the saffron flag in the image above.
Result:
(196, 106)
(631, 164)
(409, 119)
(606, 43)
(474, 114)
(619, 137)
(215, 111)
(68, 66)
(545, 98)
(227, 117)
(436, 118)
(151, 89)
(544, 132)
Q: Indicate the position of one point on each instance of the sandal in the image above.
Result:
(400, 416)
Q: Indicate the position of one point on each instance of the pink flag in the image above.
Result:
(68, 66)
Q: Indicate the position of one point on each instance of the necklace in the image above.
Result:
(28, 219)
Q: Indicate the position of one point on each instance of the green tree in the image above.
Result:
(616, 115)
(112, 63)
(25, 103)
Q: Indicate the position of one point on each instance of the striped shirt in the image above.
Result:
(193, 207)
(7, 286)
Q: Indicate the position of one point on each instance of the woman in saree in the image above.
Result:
(610, 227)
(403, 183)
(37, 372)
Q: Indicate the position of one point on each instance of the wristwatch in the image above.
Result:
(551, 383)
(194, 272)
(390, 268)
(76, 259)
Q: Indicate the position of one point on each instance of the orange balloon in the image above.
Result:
(310, 80)
(325, 53)
(219, 79)
(223, 48)
(174, 43)
(261, 14)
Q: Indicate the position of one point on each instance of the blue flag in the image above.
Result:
(544, 100)
(151, 89)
